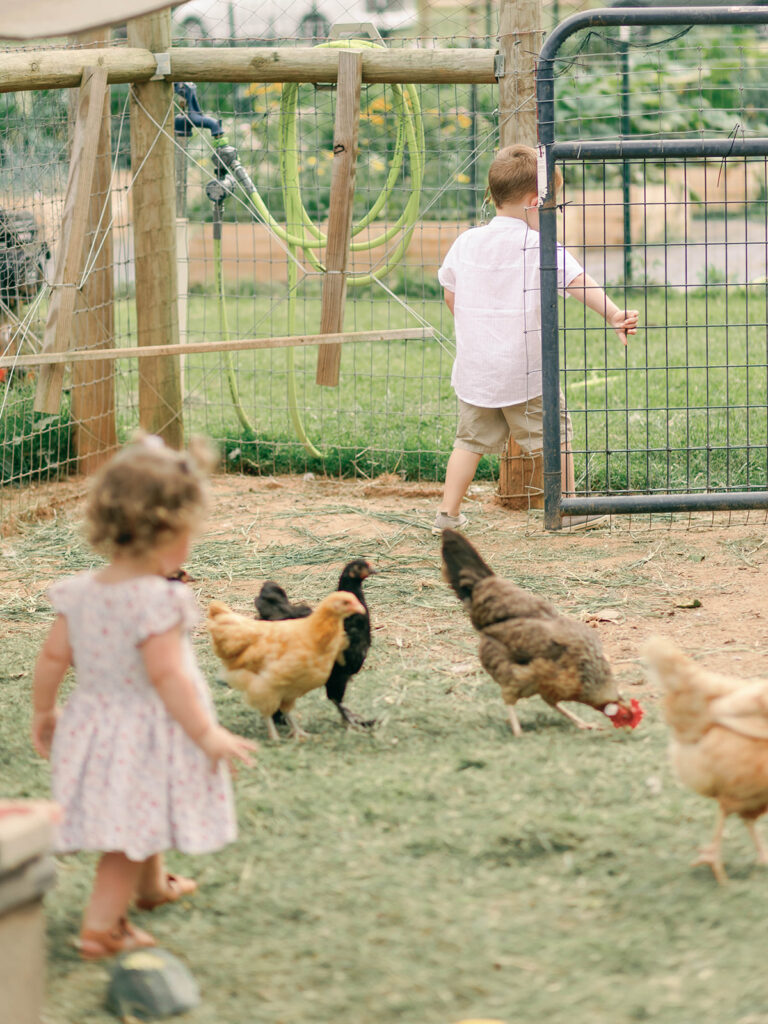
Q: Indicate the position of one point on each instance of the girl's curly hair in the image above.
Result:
(146, 494)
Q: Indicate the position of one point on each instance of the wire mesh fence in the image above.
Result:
(683, 409)
(423, 157)
(675, 226)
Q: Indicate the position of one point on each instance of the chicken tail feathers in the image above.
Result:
(272, 604)
(463, 568)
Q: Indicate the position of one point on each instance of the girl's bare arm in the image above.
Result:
(51, 666)
(164, 663)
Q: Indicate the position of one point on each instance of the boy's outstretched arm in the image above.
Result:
(587, 290)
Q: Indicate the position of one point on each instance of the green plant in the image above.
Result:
(33, 446)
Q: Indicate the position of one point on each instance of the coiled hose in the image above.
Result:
(305, 237)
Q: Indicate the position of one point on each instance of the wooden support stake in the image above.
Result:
(74, 222)
(93, 383)
(340, 215)
(521, 479)
(230, 345)
(154, 232)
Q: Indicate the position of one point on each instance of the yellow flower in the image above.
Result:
(377, 165)
(464, 121)
(381, 103)
(463, 179)
(311, 161)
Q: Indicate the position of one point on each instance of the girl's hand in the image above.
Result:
(43, 728)
(220, 744)
(624, 322)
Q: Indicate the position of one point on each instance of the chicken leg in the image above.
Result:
(712, 854)
(762, 851)
(353, 719)
(272, 729)
(514, 721)
(571, 716)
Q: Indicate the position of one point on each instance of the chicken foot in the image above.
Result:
(296, 733)
(355, 720)
(712, 854)
(578, 722)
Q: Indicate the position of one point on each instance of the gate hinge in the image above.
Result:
(498, 65)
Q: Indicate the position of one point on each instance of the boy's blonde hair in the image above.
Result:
(147, 494)
(513, 175)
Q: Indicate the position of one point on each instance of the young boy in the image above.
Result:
(490, 278)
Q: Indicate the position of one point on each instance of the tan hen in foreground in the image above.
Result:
(719, 743)
(275, 663)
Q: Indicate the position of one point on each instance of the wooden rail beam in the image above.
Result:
(63, 69)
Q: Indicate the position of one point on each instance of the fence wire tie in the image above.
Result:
(738, 127)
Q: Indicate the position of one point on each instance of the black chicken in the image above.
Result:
(273, 604)
(528, 647)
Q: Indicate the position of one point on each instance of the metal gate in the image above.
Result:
(698, 440)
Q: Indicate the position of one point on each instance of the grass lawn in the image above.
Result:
(684, 407)
(437, 869)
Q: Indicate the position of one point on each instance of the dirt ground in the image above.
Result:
(698, 579)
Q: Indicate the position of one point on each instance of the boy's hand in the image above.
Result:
(221, 744)
(624, 322)
(43, 728)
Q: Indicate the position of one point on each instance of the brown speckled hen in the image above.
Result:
(527, 646)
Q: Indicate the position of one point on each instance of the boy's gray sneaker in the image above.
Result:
(445, 522)
(572, 524)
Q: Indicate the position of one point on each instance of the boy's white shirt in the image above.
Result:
(494, 273)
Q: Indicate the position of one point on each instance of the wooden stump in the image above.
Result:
(521, 479)
(26, 872)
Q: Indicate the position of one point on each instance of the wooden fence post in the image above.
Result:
(93, 384)
(345, 133)
(521, 479)
(154, 232)
(69, 255)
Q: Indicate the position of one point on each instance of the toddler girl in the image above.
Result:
(138, 761)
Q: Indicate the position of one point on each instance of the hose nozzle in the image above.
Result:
(225, 161)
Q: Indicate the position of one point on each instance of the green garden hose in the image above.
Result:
(302, 236)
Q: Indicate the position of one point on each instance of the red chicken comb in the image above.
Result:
(621, 715)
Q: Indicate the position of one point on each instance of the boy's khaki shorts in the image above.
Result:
(486, 431)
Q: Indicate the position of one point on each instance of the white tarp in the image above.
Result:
(37, 19)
